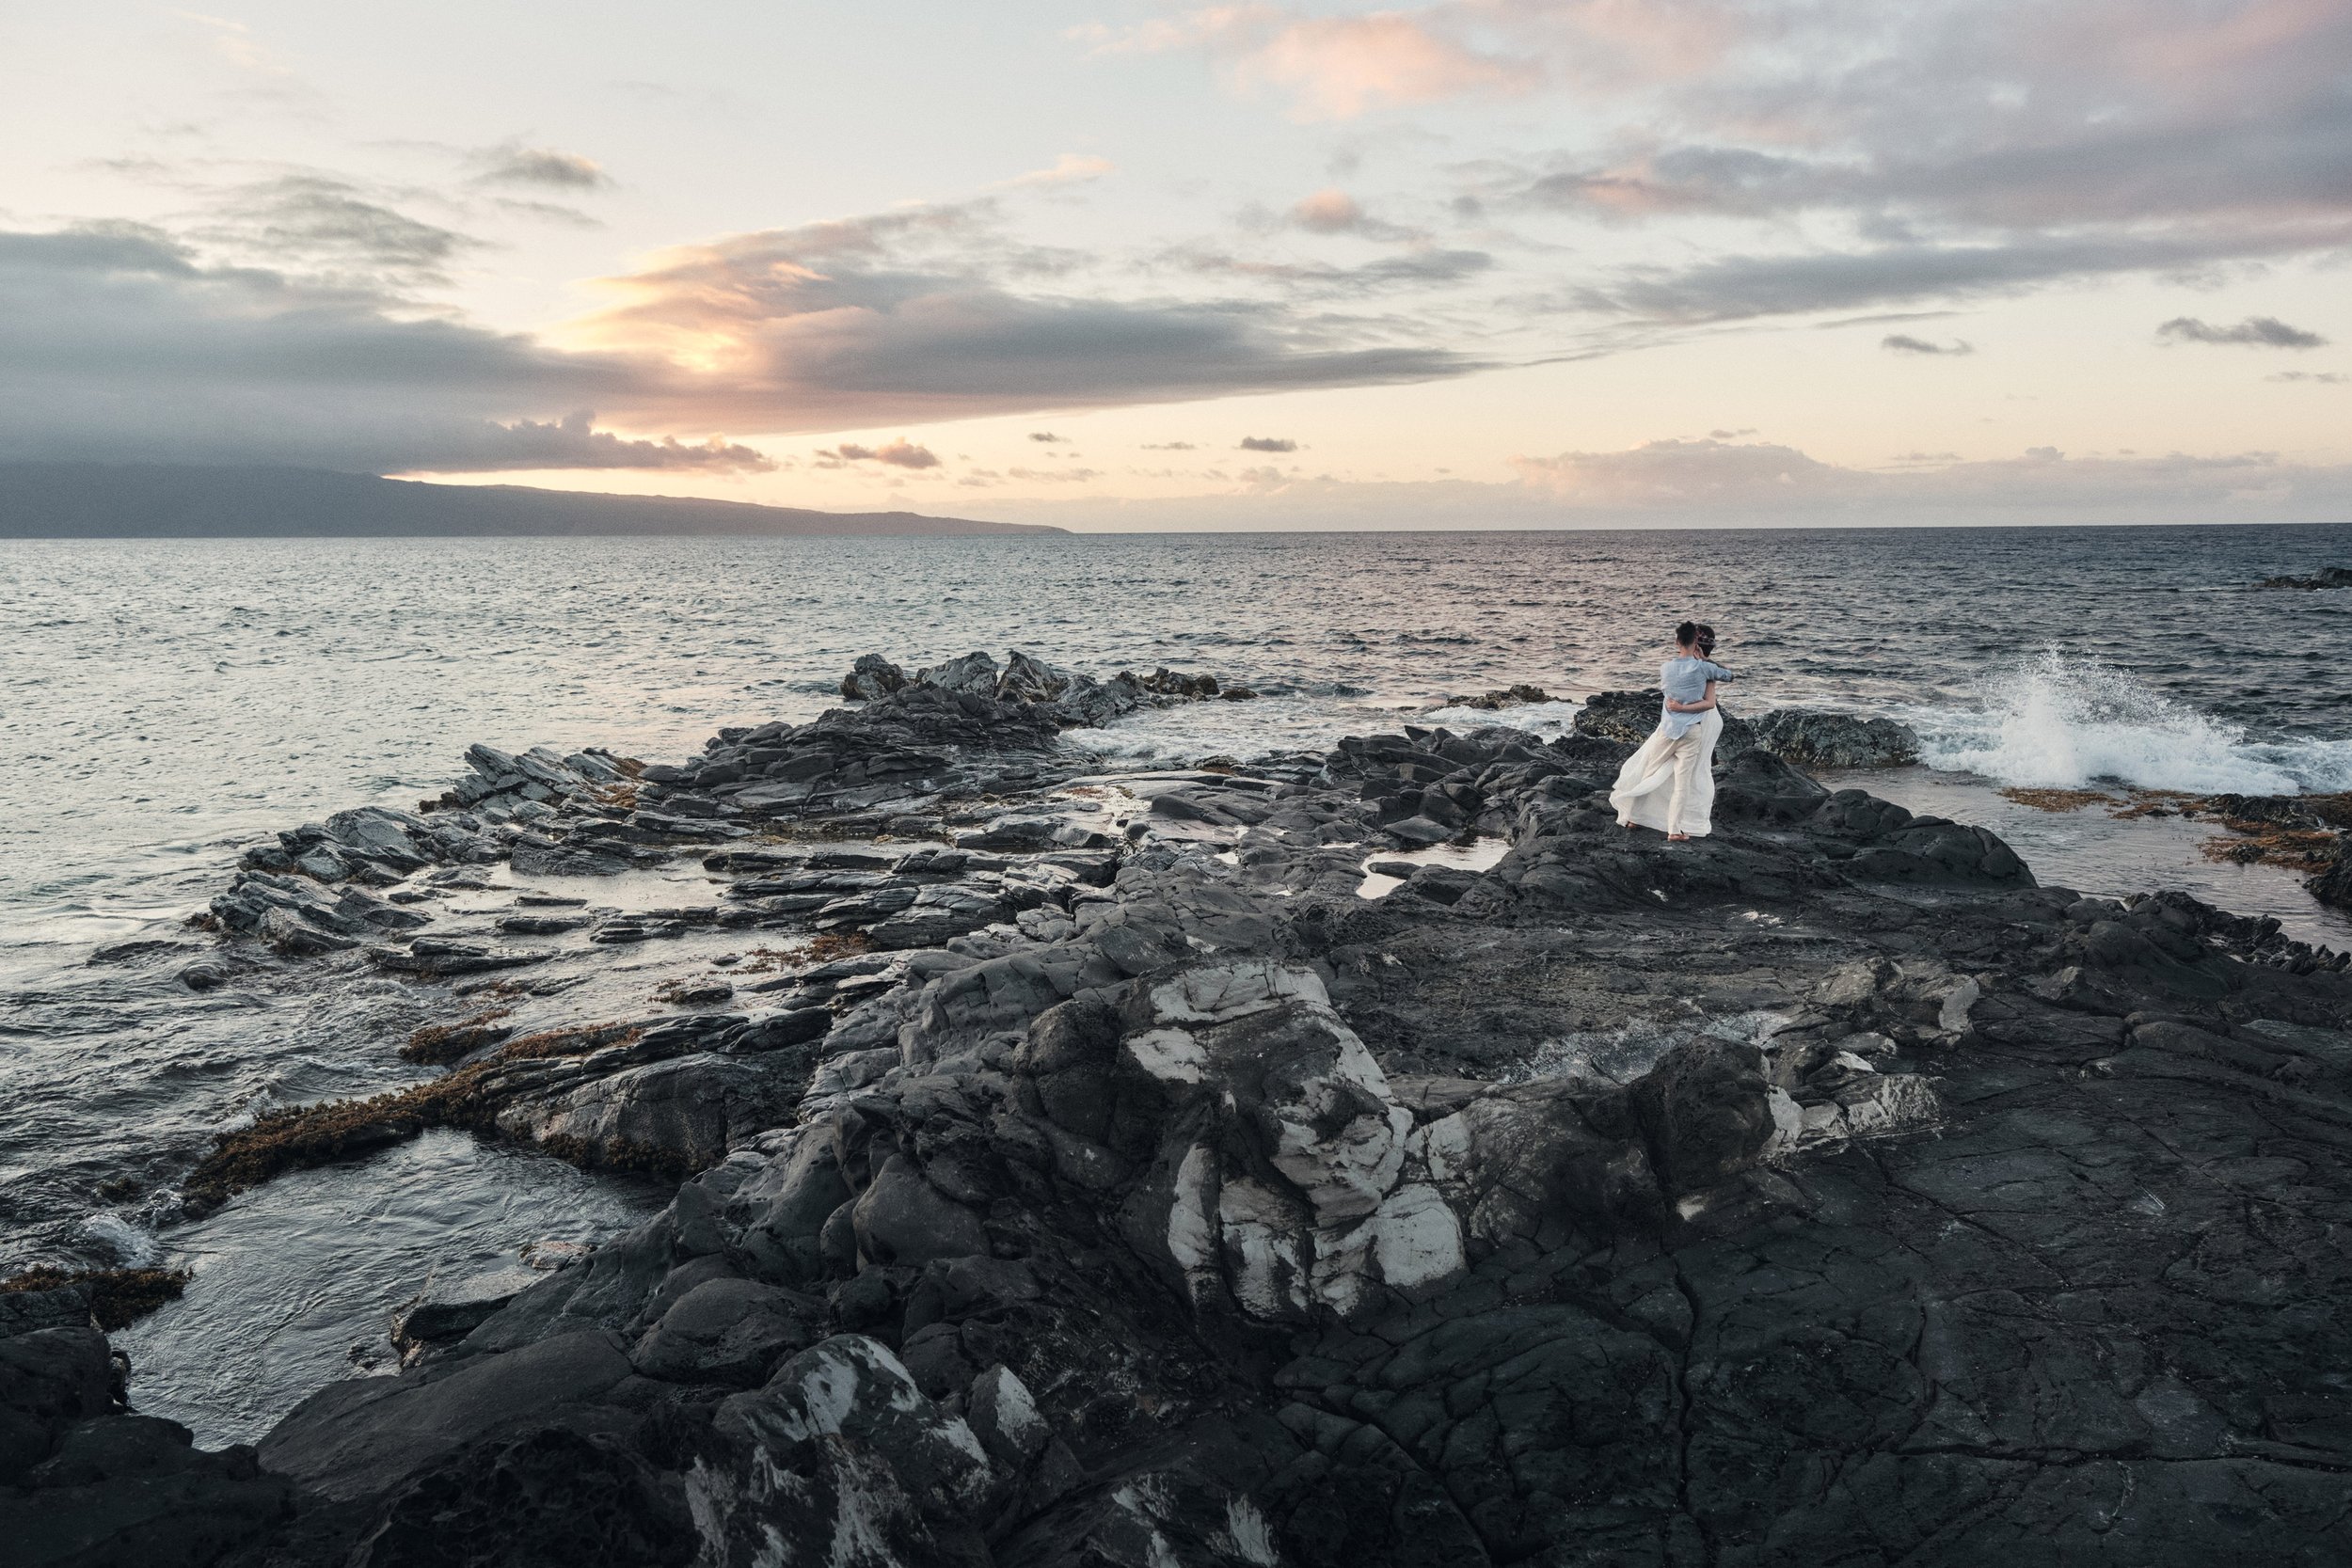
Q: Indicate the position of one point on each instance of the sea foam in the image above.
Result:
(1544, 719)
(134, 1246)
(2061, 721)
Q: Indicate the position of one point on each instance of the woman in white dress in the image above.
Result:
(1670, 783)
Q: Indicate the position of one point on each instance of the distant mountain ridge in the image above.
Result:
(92, 501)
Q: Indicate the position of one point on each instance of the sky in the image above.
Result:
(1488, 264)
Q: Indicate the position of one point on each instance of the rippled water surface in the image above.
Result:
(162, 702)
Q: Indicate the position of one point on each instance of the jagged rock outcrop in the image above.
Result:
(2333, 886)
(1502, 697)
(1073, 700)
(1804, 736)
(1815, 739)
(82, 1480)
(1145, 1193)
(871, 679)
(893, 754)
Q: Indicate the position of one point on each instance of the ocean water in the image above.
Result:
(164, 703)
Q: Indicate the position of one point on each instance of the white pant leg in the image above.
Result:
(1686, 762)
(1694, 808)
(1639, 794)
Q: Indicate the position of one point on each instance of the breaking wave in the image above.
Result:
(2058, 721)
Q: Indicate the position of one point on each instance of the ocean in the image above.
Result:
(164, 703)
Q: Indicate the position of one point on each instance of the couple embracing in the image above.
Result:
(1670, 783)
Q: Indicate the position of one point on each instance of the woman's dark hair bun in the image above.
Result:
(1686, 633)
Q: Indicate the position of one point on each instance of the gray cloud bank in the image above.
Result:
(122, 343)
(1949, 147)
(933, 313)
(117, 346)
(1814, 156)
(2255, 331)
(1716, 484)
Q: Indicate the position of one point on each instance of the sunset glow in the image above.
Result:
(1485, 262)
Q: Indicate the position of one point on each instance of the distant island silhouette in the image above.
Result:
(92, 501)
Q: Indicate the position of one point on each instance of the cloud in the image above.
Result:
(331, 227)
(1734, 287)
(1723, 484)
(1055, 476)
(118, 343)
(547, 212)
(900, 453)
(1677, 473)
(1266, 443)
(1330, 67)
(1728, 483)
(1071, 169)
(1046, 435)
(1331, 211)
(234, 42)
(114, 336)
(546, 168)
(1419, 269)
(2331, 378)
(1903, 342)
(929, 314)
(2255, 331)
(573, 442)
(2015, 113)
(1954, 149)
(1170, 446)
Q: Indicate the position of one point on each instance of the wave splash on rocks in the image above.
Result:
(1092, 1176)
(2058, 721)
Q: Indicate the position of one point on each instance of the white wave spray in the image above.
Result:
(2057, 721)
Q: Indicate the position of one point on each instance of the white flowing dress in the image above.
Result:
(1670, 783)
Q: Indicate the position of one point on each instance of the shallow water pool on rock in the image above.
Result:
(296, 1282)
(2092, 851)
(1476, 856)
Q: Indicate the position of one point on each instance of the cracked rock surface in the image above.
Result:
(1111, 1181)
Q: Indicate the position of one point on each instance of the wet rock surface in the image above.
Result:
(83, 1480)
(1816, 740)
(2304, 832)
(1093, 1175)
(1502, 697)
(1806, 737)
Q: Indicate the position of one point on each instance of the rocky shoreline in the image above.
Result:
(1369, 1156)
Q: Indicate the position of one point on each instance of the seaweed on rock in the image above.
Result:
(297, 1137)
(116, 1297)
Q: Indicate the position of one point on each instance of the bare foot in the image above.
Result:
(1677, 838)
(1627, 826)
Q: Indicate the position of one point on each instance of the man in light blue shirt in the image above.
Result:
(1685, 678)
